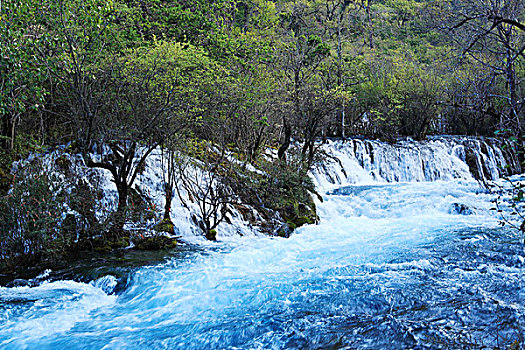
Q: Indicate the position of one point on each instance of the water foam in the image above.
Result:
(392, 265)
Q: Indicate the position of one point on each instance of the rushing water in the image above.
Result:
(421, 265)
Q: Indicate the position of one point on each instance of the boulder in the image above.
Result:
(156, 242)
(166, 226)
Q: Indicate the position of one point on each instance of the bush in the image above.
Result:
(282, 187)
(30, 218)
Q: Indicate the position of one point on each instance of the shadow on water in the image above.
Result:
(89, 266)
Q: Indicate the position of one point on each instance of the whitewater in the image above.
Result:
(408, 255)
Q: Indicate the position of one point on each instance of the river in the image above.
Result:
(392, 265)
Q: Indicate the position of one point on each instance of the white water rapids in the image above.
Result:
(408, 255)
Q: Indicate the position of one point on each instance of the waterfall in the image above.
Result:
(438, 158)
(398, 261)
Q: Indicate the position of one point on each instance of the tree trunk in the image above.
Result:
(370, 25)
(7, 141)
(340, 66)
(169, 197)
(120, 214)
(513, 95)
(281, 153)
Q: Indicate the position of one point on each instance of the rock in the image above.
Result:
(121, 242)
(212, 235)
(246, 213)
(285, 230)
(461, 209)
(303, 220)
(18, 283)
(154, 243)
(101, 244)
(165, 225)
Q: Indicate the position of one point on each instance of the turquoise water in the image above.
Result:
(393, 266)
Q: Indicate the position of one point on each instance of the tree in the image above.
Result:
(75, 39)
(492, 34)
(199, 172)
(21, 89)
(153, 95)
(299, 58)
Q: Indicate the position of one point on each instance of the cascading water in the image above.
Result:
(408, 255)
(440, 158)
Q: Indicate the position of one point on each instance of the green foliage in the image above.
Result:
(180, 70)
(284, 183)
(288, 191)
(21, 80)
(241, 75)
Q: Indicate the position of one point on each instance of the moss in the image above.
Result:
(212, 235)
(155, 243)
(303, 220)
(102, 249)
(297, 214)
(101, 244)
(165, 225)
(122, 242)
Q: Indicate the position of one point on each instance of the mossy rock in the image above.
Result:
(101, 244)
(285, 230)
(155, 243)
(165, 225)
(102, 249)
(122, 242)
(297, 214)
(304, 220)
(246, 213)
(211, 235)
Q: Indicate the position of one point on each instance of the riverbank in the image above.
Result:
(264, 201)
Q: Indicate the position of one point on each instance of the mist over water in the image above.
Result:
(392, 265)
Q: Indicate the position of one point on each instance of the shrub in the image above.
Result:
(30, 218)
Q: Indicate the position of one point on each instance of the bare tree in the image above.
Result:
(199, 181)
(492, 34)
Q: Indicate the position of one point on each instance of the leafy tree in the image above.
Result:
(154, 93)
(21, 82)
(300, 57)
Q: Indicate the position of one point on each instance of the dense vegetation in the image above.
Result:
(117, 79)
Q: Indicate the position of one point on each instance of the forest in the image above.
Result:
(208, 81)
(262, 174)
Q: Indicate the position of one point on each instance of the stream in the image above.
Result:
(392, 265)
